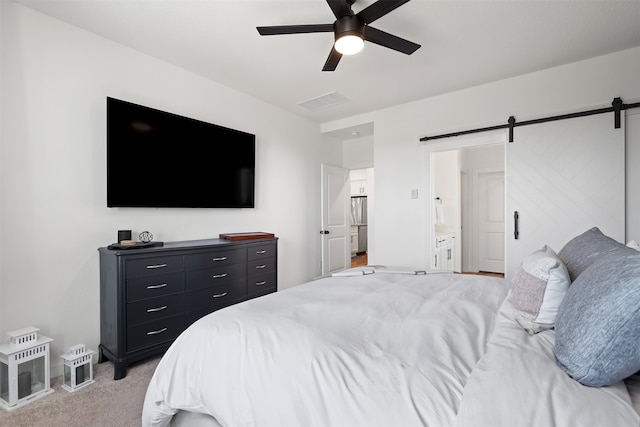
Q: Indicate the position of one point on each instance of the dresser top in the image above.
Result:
(185, 244)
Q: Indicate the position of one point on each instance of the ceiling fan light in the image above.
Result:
(349, 44)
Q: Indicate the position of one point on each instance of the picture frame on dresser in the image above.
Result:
(148, 296)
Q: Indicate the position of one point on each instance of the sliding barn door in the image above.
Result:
(564, 177)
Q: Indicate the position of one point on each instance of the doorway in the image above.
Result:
(469, 203)
(357, 155)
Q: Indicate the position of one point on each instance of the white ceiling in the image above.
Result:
(464, 43)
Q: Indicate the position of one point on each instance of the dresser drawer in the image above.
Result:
(155, 265)
(261, 251)
(206, 278)
(154, 332)
(261, 265)
(215, 258)
(154, 309)
(154, 286)
(216, 297)
(261, 284)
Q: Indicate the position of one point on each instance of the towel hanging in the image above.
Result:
(439, 211)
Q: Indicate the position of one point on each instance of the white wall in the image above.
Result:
(446, 186)
(55, 80)
(357, 153)
(401, 163)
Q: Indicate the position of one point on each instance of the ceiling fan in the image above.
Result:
(350, 30)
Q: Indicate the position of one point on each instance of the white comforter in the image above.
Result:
(376, 350)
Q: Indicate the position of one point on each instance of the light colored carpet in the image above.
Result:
(104, 403)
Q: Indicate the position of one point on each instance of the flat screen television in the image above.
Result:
(163, 160)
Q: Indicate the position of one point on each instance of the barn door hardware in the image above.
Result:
(616, 107)
(516, 231)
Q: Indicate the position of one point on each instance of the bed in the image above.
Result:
(403, 348)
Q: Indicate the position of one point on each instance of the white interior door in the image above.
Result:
(336, 222)
(563, 178)
(490, 220)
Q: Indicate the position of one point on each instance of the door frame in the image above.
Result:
(454, 143)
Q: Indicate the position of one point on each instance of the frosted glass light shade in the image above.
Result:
(349, 44)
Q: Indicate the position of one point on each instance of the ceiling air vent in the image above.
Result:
(324, 101)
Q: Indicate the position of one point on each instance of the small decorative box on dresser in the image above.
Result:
(148, 296)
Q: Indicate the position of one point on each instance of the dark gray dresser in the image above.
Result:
(148, 296)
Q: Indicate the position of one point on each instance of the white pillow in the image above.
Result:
(633, 245)
(537, 290)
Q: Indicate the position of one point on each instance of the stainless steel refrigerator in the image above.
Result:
(359, 219)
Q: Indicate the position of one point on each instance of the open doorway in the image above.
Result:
(469, 205)
(357, 160)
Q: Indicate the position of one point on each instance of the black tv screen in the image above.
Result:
(163, 160)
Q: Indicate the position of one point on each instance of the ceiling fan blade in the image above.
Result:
(389, 40)
(379, 9)
(295, 29)
(332, 60)
(340, 8)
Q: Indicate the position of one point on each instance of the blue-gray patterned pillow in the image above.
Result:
(581, 251)
(598, 322)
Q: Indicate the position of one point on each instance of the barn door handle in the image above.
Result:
(324, 231)
(516, 232)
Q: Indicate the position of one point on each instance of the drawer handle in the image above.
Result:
(153, 310)
(261, 252)
(261, 266)
(219, 295)
(264, 282)
(156, 266)
(159, 331)
(222, 258)
(162, 285)
(220, 276)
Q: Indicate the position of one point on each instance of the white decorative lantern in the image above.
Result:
(24, 368)
(78, 369)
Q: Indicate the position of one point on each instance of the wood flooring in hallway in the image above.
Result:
(359, 260)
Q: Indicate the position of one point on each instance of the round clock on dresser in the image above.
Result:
(145, 237)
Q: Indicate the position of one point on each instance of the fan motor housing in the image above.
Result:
(350, 25)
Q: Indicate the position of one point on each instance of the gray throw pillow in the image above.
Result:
(598, 322)
(537, 290)
(581, 251)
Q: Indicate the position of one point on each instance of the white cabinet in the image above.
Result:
(359, 187)
(358, 178)
(444, 246)
(354, 240)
